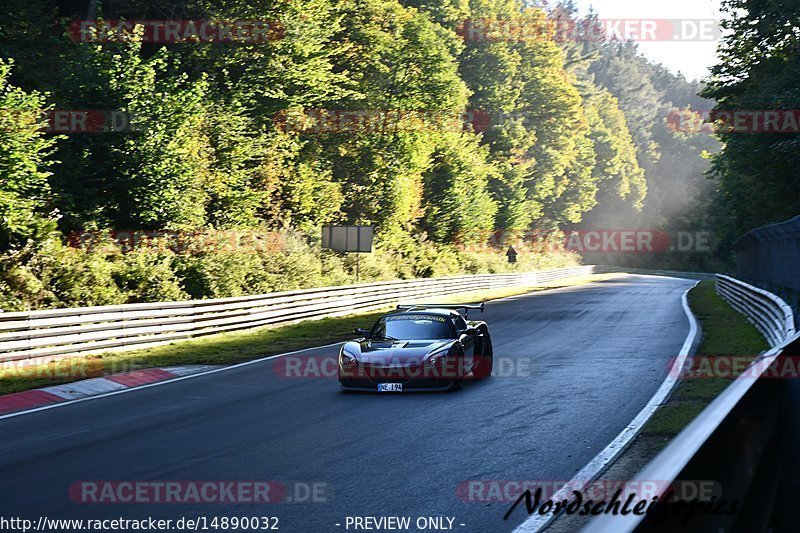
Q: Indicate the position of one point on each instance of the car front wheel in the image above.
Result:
(459, 372)
(484, 360)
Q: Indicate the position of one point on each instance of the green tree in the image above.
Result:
(458, 205)
(759, 61)
(25, 151)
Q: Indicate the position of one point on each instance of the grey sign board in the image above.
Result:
(347, 238)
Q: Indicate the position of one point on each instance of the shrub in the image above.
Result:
(149, 277)
(156, 269)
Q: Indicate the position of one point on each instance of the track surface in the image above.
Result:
(575, 366)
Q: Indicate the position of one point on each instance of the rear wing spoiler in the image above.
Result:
(465, 307)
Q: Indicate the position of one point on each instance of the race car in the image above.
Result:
(418, 347)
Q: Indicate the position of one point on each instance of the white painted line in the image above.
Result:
(596, 466)
(159, 383)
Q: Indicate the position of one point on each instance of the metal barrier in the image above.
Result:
(74, 331)
(771, 315)
(745, 441)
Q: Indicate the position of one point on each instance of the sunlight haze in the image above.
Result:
(692, 58)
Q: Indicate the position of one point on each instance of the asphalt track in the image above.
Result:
(574, 366)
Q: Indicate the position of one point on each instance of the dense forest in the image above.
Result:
(453, 143)
(757, 173)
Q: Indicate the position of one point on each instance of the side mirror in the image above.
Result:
(361, 331)
(471, 331)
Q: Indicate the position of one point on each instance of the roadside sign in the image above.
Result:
(348, 238)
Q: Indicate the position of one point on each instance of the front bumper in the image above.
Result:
(349, 384)
(418, 377)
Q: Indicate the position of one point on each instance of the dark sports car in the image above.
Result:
(430, 347)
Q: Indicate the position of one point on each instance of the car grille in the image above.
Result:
(383, 374)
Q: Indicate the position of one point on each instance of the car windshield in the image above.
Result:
(408, 327)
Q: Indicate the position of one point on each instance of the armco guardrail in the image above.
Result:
(60, 332)
(743, 446)
(769, 313)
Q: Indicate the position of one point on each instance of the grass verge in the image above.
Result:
(725, 333)
(230, 348)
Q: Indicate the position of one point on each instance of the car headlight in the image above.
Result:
(438, 358)
(346, 359)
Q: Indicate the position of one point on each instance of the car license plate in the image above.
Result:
(390, 387)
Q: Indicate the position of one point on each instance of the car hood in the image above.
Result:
(401, 352)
